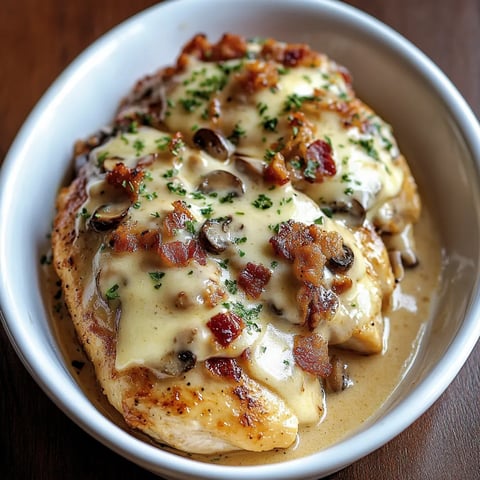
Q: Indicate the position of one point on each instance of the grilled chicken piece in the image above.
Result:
(223, 233)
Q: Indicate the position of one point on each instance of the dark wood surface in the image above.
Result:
(37, 441)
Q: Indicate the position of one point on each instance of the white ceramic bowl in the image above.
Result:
(436, 130)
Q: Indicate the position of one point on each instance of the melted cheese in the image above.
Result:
(152, 324)
(367, 170)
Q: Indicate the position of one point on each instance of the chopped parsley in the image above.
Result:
(262, 108)
(231, 286)
(262, 202)
(270, 124)
(112, 292)
(156, 277)
(224, 263)
(162, 143)
(228, 198)
(207, 211)
(237, 133)
(101, 158)
(295, 101)
(84, 213)
(327, 211)
(249, 315)
(369, 148)
(177, 188)
(138, 146)
(240, 240)
(190, 226)
(133, 127)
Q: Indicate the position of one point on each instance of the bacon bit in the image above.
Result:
(179, 254)
(316, 304)
(311, 354)
(290, 237)
(291, 55)
(224, 367)
(176, 219)
(228, 47)
(129, 179)
(258, 75)
(319, 162)
(308, 264)
(304, 156)
(213, 294)
(226, 327)
(341, 285)
(123, 239)
(150, 240)
(253, 278)
(276, 172)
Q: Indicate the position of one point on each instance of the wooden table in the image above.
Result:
(37, 40)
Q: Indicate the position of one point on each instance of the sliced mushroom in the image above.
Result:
(214, 143)
(108, 216)
(176, 363)
(249, 165)
(110, 162)
(214, 235)
(353, 212)
(339, 379)
(222, 182)
(341, 264)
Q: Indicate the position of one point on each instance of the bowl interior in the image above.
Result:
(435, 129)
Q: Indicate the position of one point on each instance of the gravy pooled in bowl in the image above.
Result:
(238, 256)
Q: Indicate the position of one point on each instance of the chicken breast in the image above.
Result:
(209, 261)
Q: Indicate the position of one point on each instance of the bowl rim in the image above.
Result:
(43, 368)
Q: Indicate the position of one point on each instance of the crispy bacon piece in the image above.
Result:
(227, 48)
(311, 354)
(319, 162)
(291, 55)
(276, 172)
(179, 254)
(213, 294)
(129, 179)
(341, 285)
(177, 218)
(316, 304)
(226, 327)
(123, 239)
(253, 278)
(291, 235)
(258, 75)
(149, 240)
(308, 264)
(224, 367)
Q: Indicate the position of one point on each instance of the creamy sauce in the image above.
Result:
(375, 376)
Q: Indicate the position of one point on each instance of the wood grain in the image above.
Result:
(37, 441)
